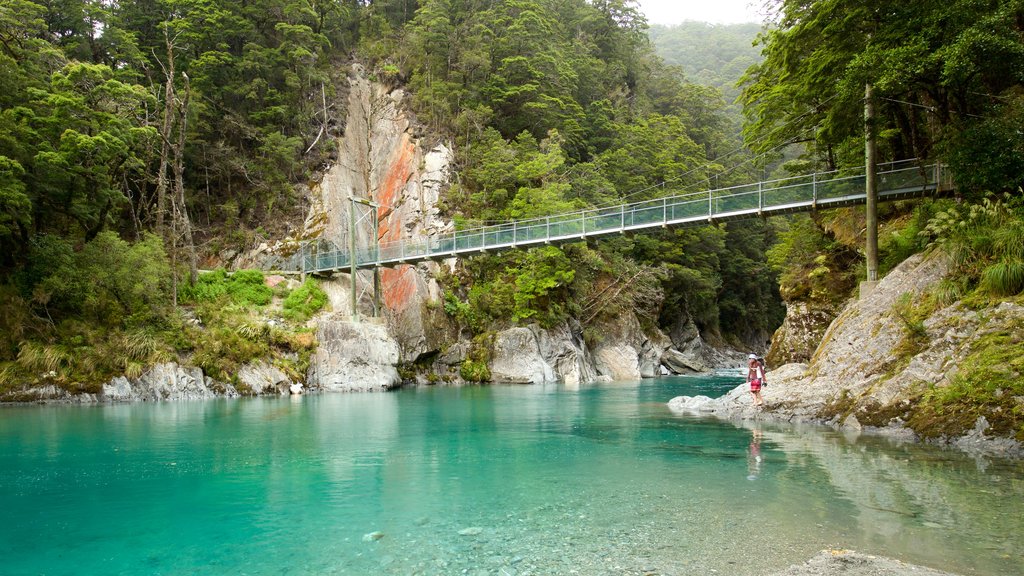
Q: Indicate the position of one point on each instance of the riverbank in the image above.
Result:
(783, 403)
(897, 362)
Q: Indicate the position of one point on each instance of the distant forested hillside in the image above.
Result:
(711, 54)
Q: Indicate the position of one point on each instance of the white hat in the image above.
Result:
(752, 357)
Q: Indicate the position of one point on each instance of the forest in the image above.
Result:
(141, 138)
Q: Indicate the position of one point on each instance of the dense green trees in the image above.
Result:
(119, 117)
(116, 117)
(558, 106)
(947, 79)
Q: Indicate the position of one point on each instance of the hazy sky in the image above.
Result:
(715, 11)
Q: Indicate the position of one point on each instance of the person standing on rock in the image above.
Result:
(755, 375)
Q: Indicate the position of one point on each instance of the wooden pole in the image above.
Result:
(871, 184)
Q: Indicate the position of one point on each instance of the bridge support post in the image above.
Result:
(352, 257)
(871, 190)
(871, 184)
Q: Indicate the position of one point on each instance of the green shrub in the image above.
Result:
(244, 287)
(249, 287)
(475, 367)
(985, 242)
(474, 371)
(305, 301)
(210, 286)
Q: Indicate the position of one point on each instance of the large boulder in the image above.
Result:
(625, 351)
(517, 358)
(564, 349)
(353, 356)
(683, 363)
(260, 377)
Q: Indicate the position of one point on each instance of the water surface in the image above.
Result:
(503, 480)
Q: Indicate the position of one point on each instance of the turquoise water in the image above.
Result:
(502, 480)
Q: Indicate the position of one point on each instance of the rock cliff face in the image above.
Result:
(856, 374)
(380, 159)
(354, 357)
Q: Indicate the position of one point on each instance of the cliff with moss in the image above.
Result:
(933, 351)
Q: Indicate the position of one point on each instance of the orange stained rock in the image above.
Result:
(398, 285)
(399, 172)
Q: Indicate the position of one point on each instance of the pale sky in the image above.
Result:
(669, 12)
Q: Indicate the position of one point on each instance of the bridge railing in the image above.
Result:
(826, 188)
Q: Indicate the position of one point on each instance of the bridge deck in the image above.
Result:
(802, 193)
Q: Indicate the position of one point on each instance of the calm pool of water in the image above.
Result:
(502, 480)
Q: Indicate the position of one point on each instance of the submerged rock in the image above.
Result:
(850, 563)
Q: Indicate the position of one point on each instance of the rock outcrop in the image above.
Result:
(624, 352)
(801, 332)
(353, 357)
(168, 381)
(381, 160)
(263, 378)
(517, 358)
(564, 349)
(857, 378)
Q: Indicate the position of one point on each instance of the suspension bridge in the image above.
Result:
(820, 190)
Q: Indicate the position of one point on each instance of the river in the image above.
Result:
(497, 480)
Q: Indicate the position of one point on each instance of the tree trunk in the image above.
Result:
(181, 210)
(165, 138)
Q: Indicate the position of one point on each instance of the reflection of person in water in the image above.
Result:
(754, 456)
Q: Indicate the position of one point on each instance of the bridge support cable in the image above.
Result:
(353, 255)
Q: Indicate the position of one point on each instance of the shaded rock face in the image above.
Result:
(353, 357)
(564, 349)
(801, 332)
(626, 352)
(168, 381)
(688, 353)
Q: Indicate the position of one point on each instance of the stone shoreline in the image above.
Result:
(782, 405)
